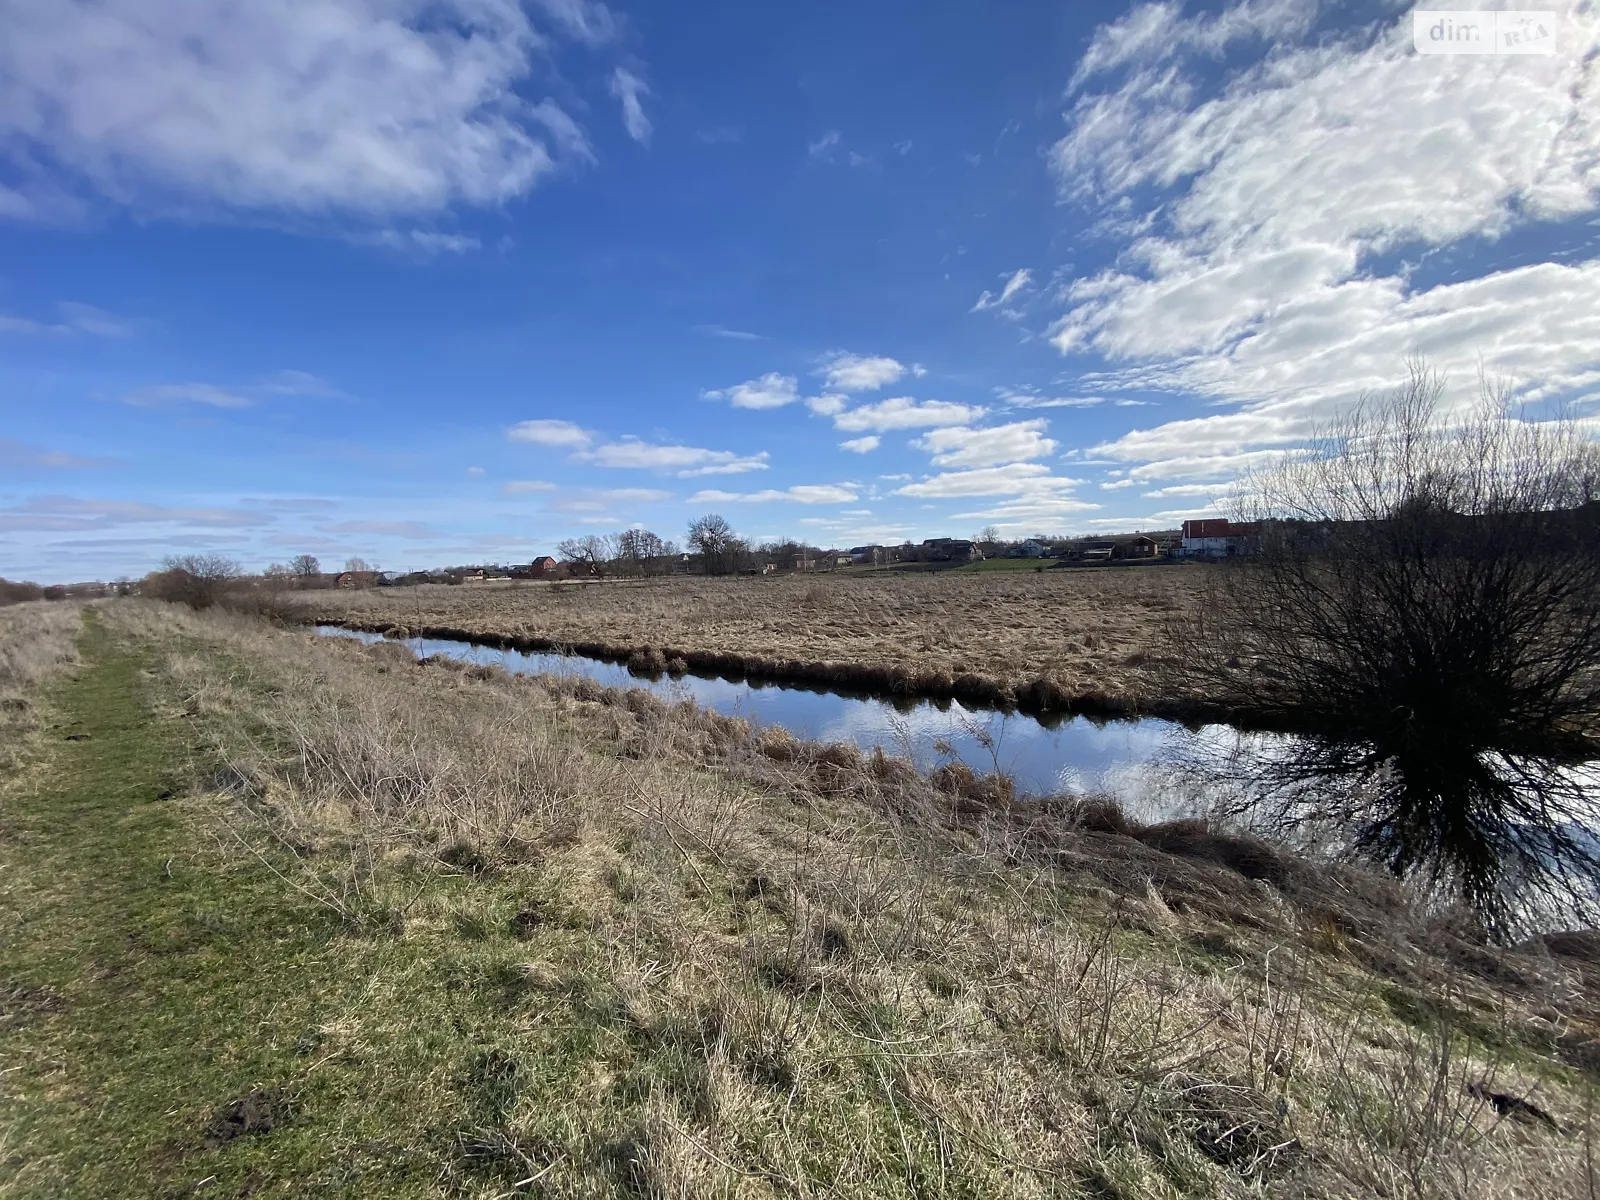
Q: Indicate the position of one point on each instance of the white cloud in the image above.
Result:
(862, 445)
(550, 433)
(61, 514)
(628, 88)
(1028, 397)
(772, 390)
(1150, 34)
(902, 412)
(420, 241)
(827, 405)
(166, 395)
(1112, 485)
(634, 495)
(687, 462)
(962, 447)
(590, 23)
(1013, 479)
(723, 331)
(75, 318)
(1264, 219)
(1014, 284)
(521, 487)
(845, 372)
(300, 383)
(823, 148)
(305, 105)
(475, 472)
(15, 456)
(1208, 491)
(820, 493)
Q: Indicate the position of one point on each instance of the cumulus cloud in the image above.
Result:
(962, 447)
(305, 105)
(1014, 284)
(829, 404)
(902, 412)
(628, 88)
(862, 445)
(550, 433)
(1291, 233)
(522, 487)
(806, 493)
(844, 372)
(771, 390)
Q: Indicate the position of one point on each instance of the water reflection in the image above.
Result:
(1131, 760)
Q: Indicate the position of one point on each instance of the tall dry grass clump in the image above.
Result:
(746, 965)
(36, 640)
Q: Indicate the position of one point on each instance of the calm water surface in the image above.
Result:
(1131, 760)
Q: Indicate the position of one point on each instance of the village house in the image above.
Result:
(1218, 537)
(542, 567)
(355, 579)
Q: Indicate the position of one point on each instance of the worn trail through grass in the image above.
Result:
(165, 1017)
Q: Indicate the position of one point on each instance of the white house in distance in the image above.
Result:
(1218, 537)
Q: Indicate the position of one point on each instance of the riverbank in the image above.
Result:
(296, 915)
(1094, 642)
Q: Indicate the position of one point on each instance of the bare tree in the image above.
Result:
(590, 553)
(198, 580)
(713, 539)
(305, 566)
(356, 563)
(1424, 608)
(637, 550)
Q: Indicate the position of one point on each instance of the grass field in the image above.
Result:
(290, 917)
(1060, 633)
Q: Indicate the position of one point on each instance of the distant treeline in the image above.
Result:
(20, 592)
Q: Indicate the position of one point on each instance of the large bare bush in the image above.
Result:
(1425, 609)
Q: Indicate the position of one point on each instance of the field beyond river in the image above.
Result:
(1054, 638)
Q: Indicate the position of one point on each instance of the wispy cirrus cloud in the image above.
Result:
(1013, 285)
(805, 493)
(18, 456)
(687, 462)
(1245, 278)
(72, 318)
(630, 91)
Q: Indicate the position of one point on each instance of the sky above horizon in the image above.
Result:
(447, 281)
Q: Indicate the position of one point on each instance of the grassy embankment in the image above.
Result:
(290, 918)
(1089, 639)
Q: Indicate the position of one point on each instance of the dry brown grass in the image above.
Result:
(36, 640)
(746, 966)
(1076, 633)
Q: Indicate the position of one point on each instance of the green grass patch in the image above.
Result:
(175, 1017)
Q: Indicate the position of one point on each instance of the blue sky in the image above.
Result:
(449, 281)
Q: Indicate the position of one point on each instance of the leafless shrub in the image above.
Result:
(198, 580)
(1425, 608)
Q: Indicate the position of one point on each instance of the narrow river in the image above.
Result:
(1131, 760)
